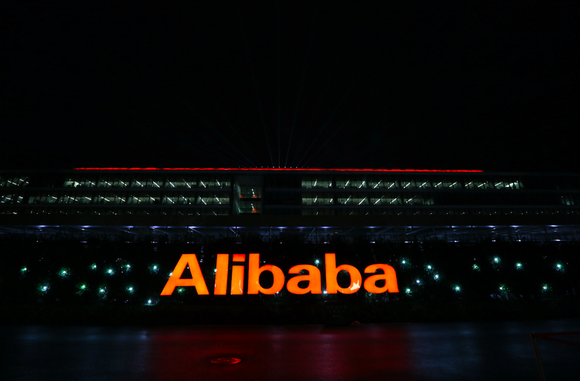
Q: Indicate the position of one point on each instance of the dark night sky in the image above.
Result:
(374, 84)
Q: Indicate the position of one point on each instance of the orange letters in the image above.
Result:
(196, 280)
(332, 272)
(313, 278)
(254, 271)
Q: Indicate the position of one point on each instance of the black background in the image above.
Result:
(363, 84)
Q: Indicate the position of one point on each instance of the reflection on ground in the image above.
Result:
(435, 351)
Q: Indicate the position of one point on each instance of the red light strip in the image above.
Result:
(277, 169)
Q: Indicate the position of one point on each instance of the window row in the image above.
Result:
(147, 182)
(361, 200)
(131, 199)
(397, 183)
(437, 212)
(250, 208)
(18, 181)
(570, 200)
(250, 192)
(118, 211)
(11, 198)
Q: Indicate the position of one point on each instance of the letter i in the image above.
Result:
(221, 275)
(238, 275)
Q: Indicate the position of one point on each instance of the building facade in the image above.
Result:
(276, 202)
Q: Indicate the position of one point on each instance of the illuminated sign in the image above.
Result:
(299, 284)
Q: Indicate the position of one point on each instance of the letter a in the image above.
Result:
(389, 276)
(313, 279)
(196, 280)
(332, 272)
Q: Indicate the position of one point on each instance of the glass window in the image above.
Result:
(317, 212)
(508, 184)
(352, 212)
(386, 200)
(80, 181)
(352, 200)
(113, 182)
(350, 182)
(10, 198)
(18, 181)
(568, 200)
(478, 184)
(423, 184)
(446, 184)
(250, 192)
(381, 183)
(45, 198)
(143, 198)
(317, 199)
(214, 199)
(214, 182)
(249, 208)
(147, 182)
(181, 182)
(180, 199)
(316, 182)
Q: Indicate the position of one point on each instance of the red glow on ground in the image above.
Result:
(277, 169)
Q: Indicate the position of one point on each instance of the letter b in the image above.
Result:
(332, 272)
(254, 271)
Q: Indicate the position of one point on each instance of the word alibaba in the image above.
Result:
(298, 284)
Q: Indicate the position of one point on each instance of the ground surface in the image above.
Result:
(432, 351)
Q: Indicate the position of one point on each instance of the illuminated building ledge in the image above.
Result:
(313, 233)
